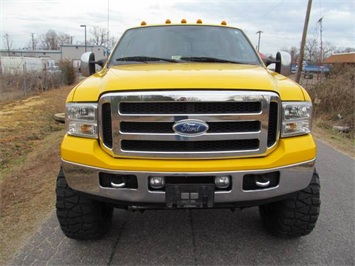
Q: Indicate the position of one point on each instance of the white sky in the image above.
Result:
(280, 20)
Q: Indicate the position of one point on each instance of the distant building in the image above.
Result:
(67, 52)
(345, 58)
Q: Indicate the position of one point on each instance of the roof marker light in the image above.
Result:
(183, 20)
(199, 21)
(224, 23)
(168, 21)
(143, 23)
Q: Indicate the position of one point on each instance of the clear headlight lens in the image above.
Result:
(296, 118)
(81, 119)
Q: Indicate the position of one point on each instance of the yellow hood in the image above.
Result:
(185, 76)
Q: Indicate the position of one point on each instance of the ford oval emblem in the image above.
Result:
(190, 127)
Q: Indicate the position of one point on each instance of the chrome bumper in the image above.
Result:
(85, 179)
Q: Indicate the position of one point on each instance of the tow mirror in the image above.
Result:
(282, 63)
(88, 64)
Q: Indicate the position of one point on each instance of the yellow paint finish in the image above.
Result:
(88, 152)
(153, 76)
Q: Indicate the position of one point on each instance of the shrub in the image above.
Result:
(27, 83)
(68, 72)
(336, 95)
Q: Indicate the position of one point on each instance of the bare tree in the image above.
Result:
(49, 41)
(64, 38)
(32, 44)
(99, 36)
(328, 49)
(312, 53)
(111, 42)
(8, 42)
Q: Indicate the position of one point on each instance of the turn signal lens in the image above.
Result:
(296, 118)
(81, 119)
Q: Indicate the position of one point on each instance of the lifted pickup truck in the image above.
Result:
(187, 116)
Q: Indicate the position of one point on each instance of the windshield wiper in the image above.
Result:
(210, 59)
(145, 59)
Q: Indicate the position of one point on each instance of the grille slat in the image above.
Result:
(214, 127)
(190, 146)
(189, 107)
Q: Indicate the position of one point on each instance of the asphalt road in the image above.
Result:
(212, 237)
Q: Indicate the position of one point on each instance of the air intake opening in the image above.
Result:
(107, 125)
(272, 130)
(190, 146)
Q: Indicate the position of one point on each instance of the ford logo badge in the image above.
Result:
(190, 128)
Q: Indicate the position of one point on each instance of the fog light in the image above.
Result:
(157, 182)
(222, 181)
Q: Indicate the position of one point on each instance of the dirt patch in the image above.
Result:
(29, 161)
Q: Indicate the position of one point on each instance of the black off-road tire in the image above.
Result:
(79, 216)
(295, 216)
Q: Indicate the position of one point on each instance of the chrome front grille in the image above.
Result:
(140, 123)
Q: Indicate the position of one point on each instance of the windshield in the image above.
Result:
(184, 43)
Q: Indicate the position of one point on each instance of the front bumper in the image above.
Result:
(86, 179)
(83, 160)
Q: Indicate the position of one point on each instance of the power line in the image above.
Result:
(270, 10)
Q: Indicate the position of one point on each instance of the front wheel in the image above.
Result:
(79, 216)
(295, 216)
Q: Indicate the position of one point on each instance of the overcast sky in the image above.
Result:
(281, 21)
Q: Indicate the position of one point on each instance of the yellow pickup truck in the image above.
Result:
(187, 115)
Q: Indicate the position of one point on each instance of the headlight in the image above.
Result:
(81, 119)
(296, 118)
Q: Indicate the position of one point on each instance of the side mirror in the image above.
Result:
(88, 64)
(282, 63)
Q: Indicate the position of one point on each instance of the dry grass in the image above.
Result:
(29, 159)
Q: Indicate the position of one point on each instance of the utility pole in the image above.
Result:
(33, 41)
(259, 32)
(84, 26)
(320, 21)
(303, 42)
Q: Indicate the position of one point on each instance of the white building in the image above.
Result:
(70, 52)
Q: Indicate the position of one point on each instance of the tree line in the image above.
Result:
(51, 40)
(314, 52)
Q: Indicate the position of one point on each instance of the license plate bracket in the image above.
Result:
(189, 196)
